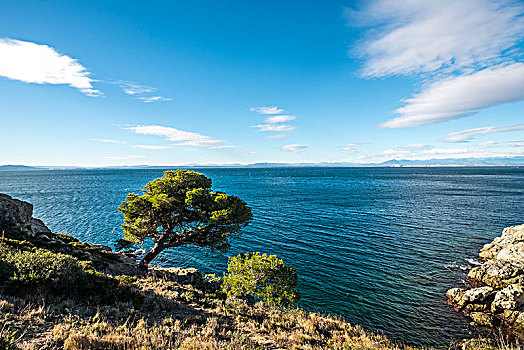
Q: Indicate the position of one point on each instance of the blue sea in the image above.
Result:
(379, 246)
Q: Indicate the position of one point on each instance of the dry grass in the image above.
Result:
(175, 316)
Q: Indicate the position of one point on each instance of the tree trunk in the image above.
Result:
(146, 260)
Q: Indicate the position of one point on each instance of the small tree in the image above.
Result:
(179, 209)
(265, 277)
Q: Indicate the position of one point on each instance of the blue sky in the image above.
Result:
(97, 83)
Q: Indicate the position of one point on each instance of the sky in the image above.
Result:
(104, 83)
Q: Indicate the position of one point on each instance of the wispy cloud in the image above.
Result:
(280, 119)
(154, 99)
(151, 147)
(274, 127)
(108, 141)
(140, 92)
(426, 152)
(428, 36)
(133, 89)
(41, 64)
(274, 123)
(351, 147)
(462, 96)
(463, 51)
(468, 135)
(293, 148)
(184, 138)
(517, 144)
(267, 110)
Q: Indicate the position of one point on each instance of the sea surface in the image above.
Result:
(379, 246)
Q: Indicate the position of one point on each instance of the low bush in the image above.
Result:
(263, 277)
(44, 273)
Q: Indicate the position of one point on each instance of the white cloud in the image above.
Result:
(273, 127)
(415, 36)
(41, 64)
(280, 119)
(417, 151)
(274, 123)
(467, 135)
(184, 138)
(154, 99)
(267, 110)
(132, 88)
(517, 144)
(462, 96)
(151, 147)
(140, 92)
(465, 53)
(293, 148)
(107, 141)
(351, 147)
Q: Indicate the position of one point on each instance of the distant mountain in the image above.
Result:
(509, 161)
(19, 167)
(494, 161)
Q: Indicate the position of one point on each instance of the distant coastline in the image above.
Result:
(397, 163)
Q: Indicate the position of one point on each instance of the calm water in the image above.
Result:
(379, 246)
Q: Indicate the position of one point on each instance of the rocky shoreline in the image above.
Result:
(495, 296)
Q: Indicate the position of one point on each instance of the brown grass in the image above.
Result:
(175, 316)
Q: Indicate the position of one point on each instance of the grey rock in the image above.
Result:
(496, 273)
(455, 295)
(477, 295)
(18, 215)
(511, 236)
(509, 298)
(38, 226)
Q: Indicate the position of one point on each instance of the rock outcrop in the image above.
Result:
(18, 215)
(495, 296)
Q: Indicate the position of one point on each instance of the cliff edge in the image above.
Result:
(495, 296)
(18, 215)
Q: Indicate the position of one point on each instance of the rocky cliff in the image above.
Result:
(18, 215)
(495, 296)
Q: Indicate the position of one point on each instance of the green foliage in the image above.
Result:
(178, 209)
(262, 276)
(43, 273)
(42, 270)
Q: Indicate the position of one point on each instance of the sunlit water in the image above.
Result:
(379, 246)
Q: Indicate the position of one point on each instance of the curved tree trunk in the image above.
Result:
(146, 260)
(159, 246)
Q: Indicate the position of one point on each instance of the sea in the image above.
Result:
(377, 246)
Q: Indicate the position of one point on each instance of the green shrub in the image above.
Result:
(44, 273)
(261, 276)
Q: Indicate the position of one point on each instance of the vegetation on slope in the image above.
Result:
(158, 310)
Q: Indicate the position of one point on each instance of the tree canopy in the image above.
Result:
(181, 209)
(261, 276)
